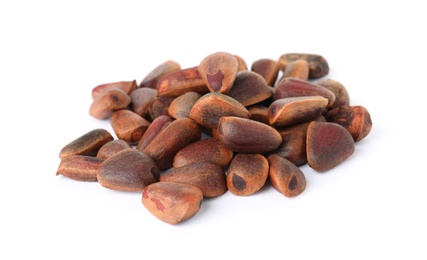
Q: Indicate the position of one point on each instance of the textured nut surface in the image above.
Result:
(342, 97)
(295, 110)
(356, 119)
(285, 176)
(150, 81)
(178, 134)
(159, 106)
(212, 106)
(180, 82)
(292, 87)
(207, 176)
(247, 136)
(318, 65)
(293, 146)
(156, 126)
(205, 150)
(247, 174)
(87, 144)
(128, 170)
(79, 167)
(128, 125)
(328, 144)
(172, 202)
(181, 106)
(125, 86)
(268, 69)
(105, 105)
(218, 70)
(111, 148)
(141, 99)
(249, 88)
(297, 69)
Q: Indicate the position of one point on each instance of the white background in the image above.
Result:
(52, 53)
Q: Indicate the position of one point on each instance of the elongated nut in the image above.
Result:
(247, 174)
(128, 125)
(150, 81)
(318, 65)
(297, 69)
(128, 170)
(111, 148)
(342, 97)
(126, 86)
(328, 144)
(153, 130)
(87, 144)
(285, 176)
(178, 134)
(207, 176)
(212, 106)
(172, 202)
(180, 82)
(247, 136)
(356, 119)
(109, 102)
(268, 69)
(79, 167)
(292, 87)
(141, 100)
(294, 110)
(181, 106)
(218, 70)
(249, 88)
(205, 150)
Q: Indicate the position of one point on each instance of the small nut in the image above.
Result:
(205, 150)
(218, 70)
(292, 87)
(212, 106)
(328, 144)
(128, 170)
(126, 86)
(172, 202)
(268, 69)
(244, 135)
(79, 167)
(285, 176)
(318, 65)
(150, 81)
(111, 148)
(247, 174)
(180, 82)
(87, 144)
(128, 125)
(295, 110)
(109, 102)
(249, 88)
(207, 176)
(178, 134)
(356, 119)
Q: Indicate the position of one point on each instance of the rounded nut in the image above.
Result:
(172, 202)
(247, 174)
(128, 170)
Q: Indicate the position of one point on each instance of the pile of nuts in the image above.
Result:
(198, 132)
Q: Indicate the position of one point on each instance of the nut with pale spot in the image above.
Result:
(172, 202)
